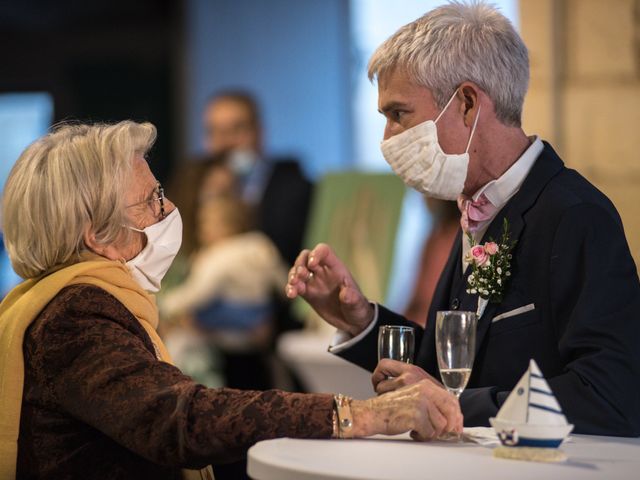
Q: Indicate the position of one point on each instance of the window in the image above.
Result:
(23, 118)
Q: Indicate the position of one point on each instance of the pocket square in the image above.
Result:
(514, 312)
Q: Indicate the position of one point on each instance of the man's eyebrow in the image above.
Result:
(392, 106)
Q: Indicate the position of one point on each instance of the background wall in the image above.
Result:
(99, 61)
(294, 55)
(585, 93)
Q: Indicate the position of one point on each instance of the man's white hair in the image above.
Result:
(458, 42)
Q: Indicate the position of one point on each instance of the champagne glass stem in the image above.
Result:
(448, 436)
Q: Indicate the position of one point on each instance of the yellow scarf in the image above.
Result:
(25, 302)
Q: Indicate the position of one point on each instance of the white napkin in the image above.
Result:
(485, 436)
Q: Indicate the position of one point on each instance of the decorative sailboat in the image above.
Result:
(531, 415)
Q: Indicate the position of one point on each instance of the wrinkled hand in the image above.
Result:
(391, 375)
(424, 408)
(321, 278)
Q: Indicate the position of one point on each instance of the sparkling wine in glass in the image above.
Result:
(455, 347)
(396, 342)
(455, 379)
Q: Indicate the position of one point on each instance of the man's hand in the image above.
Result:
(391, 375)
(321, 278)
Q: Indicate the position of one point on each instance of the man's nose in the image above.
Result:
(387, 132)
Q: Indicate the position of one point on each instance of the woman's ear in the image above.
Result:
(89, 238)
(106, 251)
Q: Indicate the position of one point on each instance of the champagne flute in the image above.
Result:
(455, 348)
(396, 342)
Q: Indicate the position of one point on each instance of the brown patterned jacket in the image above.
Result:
(98, 404)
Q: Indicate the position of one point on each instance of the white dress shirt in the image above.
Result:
(498, 192)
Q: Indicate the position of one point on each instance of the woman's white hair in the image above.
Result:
(458, 42)
(68, 182)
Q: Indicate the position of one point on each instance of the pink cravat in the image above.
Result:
(475, 214)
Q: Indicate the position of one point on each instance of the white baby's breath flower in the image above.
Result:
(488, 279)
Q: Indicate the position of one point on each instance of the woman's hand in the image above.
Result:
(391, 375)
(321, 278)
(424, 408)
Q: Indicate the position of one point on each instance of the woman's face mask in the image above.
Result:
(417, 158)
(163, 242)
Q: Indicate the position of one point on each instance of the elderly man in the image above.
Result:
(451, 86)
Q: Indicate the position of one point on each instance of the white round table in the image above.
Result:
(397, 458)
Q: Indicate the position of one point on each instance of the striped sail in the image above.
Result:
(543, 409)
(532, 401)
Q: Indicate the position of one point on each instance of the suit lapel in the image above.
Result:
(453, 284)
(544, 169)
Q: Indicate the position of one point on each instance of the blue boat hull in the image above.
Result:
(534, 442)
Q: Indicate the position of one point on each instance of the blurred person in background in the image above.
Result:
(276, 187)
(435, 252)
(87, 389)
(229, 289)
(191, 351)
(193, 182)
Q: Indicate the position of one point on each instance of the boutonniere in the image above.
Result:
(491, 268)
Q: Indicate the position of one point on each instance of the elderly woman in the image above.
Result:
(87, 389)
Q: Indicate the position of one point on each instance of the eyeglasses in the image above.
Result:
(155, 203)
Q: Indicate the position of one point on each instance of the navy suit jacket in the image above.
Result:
(572, 262)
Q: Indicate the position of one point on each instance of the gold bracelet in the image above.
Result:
(344, 416)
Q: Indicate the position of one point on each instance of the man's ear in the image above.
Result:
(469, 99)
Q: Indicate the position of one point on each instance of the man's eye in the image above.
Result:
(396, 115)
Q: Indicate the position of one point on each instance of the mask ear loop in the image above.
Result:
(446, 106)
(473, 129)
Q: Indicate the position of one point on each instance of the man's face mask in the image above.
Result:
(417, 158)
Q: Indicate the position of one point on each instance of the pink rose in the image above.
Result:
(491, 248)
(479, 255)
